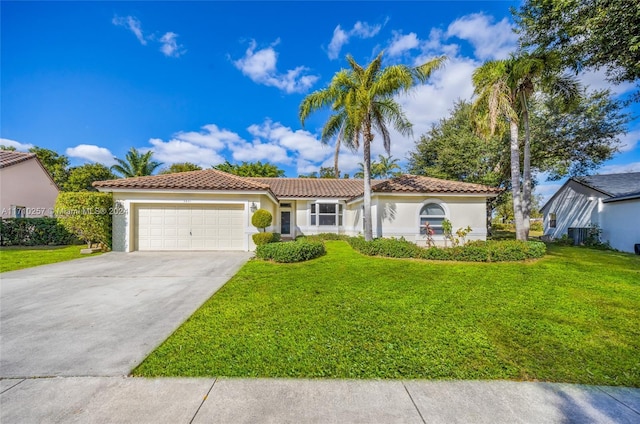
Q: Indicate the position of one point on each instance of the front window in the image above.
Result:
(327, 214)
(433, 214)
(552, 220)
(19, 211)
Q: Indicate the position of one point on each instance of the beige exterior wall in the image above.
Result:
(399, 216)
(393, 216)
(126, 202)
(27, 184)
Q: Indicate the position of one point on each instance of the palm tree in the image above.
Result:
(504, 89)
(387, 167)
(362, 101)
(136, 164)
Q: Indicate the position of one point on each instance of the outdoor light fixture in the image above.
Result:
(253, 207)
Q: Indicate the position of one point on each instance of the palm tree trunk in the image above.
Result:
(515, 182)
(526, 172)
(336, 170)
(368, 227)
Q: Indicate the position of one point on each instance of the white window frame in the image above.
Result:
(445, 215)
(338, 214)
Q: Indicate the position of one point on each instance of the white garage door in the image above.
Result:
(189, 227)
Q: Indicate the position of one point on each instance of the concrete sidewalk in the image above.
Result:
(202, 400)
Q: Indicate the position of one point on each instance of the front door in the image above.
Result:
(285, 223)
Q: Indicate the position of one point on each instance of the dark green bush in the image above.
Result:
(88, 215)
(34, 232)
(261, 219)
(291, 251)
(263, 238)
(477, 251)
(276, 237)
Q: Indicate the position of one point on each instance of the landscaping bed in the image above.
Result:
(568, 317)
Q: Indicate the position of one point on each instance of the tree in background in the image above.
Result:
(81, 177)
(54, 163)
(586, 34)
(362, 101)
(181, 167)
(8, 148)
(251, 169)
(136, 164)
(578, 140)
(385, 167)
(453, 150)
(504, 89)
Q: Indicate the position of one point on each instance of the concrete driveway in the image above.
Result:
(101, 316)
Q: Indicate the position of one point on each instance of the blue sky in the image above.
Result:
(206, 82)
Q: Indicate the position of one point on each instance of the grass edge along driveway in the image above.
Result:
(569, 317)
(21, 257)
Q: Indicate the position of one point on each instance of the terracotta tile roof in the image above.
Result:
(9, 157)
(313, 187)
(211, 179)
(208, 179)
(419, 184)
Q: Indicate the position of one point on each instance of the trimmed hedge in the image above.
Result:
(34, 232)
(261, 219)
(291, 251)
(477, 251)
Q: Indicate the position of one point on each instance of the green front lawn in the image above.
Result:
(570, 317)
(12, 258)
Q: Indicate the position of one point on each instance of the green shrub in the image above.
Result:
(261, 219)
(476, 251)
(291, 251)
(87, 215)
(34, 232)
(263, 238)
(276, 237)
(564, 240)
(536, 226)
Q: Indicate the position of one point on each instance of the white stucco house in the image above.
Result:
(611, 201)
(211, 210)
(26, 188)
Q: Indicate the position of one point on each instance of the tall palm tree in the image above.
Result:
(504, 89)
(362, 101)
(136, 164)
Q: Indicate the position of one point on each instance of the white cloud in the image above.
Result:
(620, 168)
(629, 141)
(303, 143)
(402, 43)
(21, 147)
(132, 24)
(211, 137)
(597, 80)
(177, 151)
(92, 153)
(260, 66)
(170, 46)
(341, 37)
(490, 41)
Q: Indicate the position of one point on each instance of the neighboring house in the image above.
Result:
(26, 188)
(211, 210)
(612, 202)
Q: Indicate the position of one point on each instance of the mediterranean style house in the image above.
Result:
(211, 210)
(26, 188)
(611, 201)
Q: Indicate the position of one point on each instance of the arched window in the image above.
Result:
(433, 214)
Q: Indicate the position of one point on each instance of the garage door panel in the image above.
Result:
(190, 227)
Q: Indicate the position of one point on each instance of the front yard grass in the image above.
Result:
(13, 258)
(569, 317)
